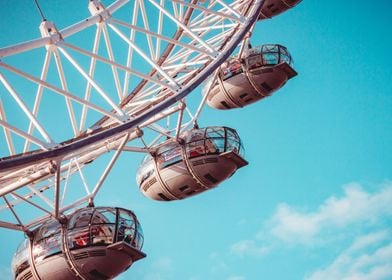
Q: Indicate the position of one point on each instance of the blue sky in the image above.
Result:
(314, 202)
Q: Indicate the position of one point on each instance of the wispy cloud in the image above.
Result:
(371, 239)
(357, 215)
(249, 248)
(356, 206)
(368, 258)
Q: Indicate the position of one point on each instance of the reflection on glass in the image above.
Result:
(81, 218)
(21, 258)
(170, 155)
(215, 140)
(266, 55)
(231, 68)
(146, 169)
(47, 247)
(107, 215)
(47, 241)
(129, 230)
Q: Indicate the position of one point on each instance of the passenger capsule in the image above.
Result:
(204, 158)
(94, 243)
(241, 82)
(273, 8)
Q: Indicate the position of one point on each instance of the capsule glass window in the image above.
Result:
(126, 231)
(233, 142)
(168, 155)
(139, 237)
(81, 218)
(79, 237)
(146, 169)
(231, 68)
(21, 258)
(103, 226)
(47, 241)
(195, 148)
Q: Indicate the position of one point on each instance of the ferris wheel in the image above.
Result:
(121, 80)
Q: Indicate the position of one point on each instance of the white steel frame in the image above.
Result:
(39, 171)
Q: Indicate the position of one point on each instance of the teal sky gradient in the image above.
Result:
(315, 200)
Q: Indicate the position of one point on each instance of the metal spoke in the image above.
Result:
(129, 77)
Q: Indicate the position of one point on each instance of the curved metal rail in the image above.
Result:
(205, 36)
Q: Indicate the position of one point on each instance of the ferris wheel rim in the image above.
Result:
(36, 171)
(65, 147)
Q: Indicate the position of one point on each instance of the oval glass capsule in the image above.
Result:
(241, 82)
(205, 158)
(95, 243)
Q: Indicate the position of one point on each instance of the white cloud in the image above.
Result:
(357, 214)
(370, 239)
(248, 248)
(368, 258)
(356, 206)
